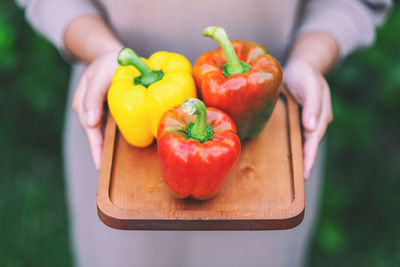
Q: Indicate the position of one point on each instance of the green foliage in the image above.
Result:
(33, 225)
(359, 218)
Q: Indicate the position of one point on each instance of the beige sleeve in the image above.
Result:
(51, 17)
(351, 22)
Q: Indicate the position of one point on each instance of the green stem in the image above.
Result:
(199, 129)
(128, 57)
(233, 64)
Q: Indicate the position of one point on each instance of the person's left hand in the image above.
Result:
(310, 89)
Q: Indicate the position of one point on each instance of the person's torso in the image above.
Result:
(177, 25)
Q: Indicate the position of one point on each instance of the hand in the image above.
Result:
(89, 98)
(310, 89)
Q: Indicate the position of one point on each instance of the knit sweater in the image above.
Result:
(176, 25)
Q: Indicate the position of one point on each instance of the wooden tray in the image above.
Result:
(264, 191)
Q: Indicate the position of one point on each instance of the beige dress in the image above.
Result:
(176, 25)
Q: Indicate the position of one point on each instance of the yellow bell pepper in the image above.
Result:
(143, 90)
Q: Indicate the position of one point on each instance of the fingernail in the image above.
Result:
(306, 169)
(96, 154)
(306, 175)
(91, 117)
(312, 122)
(97, 163)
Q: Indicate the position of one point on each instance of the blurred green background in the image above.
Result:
(359, 223)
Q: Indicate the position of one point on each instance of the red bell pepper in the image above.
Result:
(240, 78)
(198, 152)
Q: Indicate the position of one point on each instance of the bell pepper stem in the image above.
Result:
(128, 57)
(233, 64)
(199, 129)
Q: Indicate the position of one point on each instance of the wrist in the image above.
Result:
(89, 37)
(306, 58)
(107, 51)
(94, 48)
(319, 50)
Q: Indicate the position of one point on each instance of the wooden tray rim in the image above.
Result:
(126, 219)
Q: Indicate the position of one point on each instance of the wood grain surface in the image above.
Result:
(264, 191)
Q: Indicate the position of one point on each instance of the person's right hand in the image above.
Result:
(89, 98)
(310, 90)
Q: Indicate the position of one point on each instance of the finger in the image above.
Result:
(292, 80)
(94, 99)
(327, 95)
(311, 103)
(79, 94)
(313, 139)
(77, 101)
(95, 139)
(310, 148)
(305, 86)
(93, 135)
